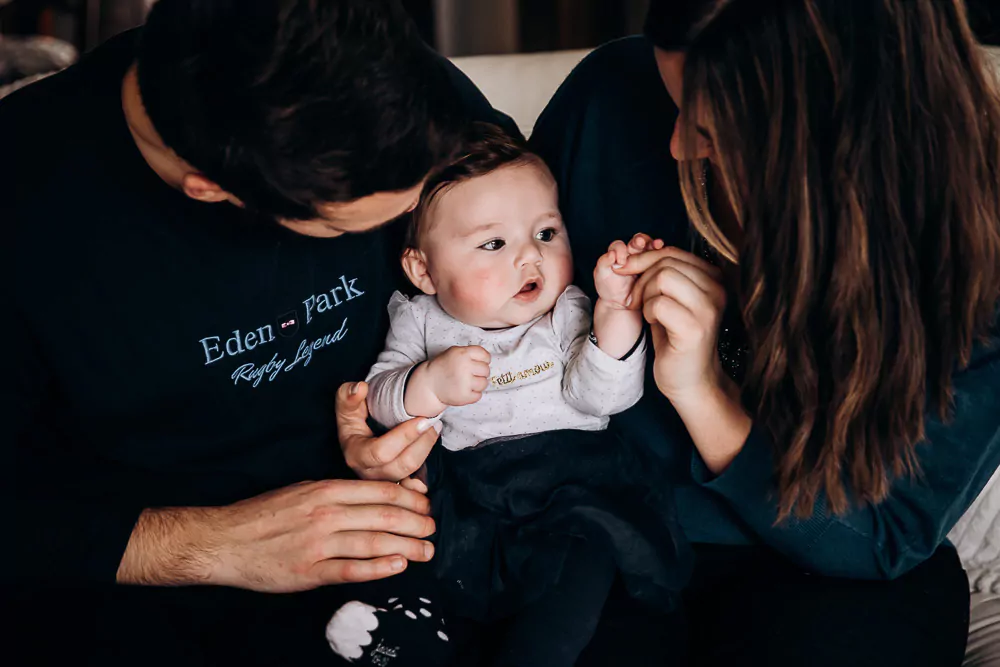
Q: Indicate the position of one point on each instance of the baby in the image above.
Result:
(538, 507)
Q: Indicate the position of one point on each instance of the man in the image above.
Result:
(183, 211)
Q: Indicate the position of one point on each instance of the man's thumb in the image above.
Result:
(351, 395)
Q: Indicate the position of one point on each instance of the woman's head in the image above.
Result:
(858, 142)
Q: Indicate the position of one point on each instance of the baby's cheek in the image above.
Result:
(477, 292)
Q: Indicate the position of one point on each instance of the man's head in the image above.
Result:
(487, 237)
(324, 114)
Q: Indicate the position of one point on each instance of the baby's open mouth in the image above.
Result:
(530, 290)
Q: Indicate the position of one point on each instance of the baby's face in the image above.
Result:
(496, 249)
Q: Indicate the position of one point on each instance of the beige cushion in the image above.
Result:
(520, 85)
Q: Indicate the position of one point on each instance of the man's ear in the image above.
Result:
(415, 267)
(199, 188)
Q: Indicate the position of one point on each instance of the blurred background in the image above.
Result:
(455, 27)
(42, 35)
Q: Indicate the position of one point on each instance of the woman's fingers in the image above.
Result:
(671, 274)
(367, 544)
(671, 315)
(698, 294)
(643, 262)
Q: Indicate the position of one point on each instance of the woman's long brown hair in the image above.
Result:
(859, 144)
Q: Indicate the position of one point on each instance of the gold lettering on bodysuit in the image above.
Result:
(507, 378)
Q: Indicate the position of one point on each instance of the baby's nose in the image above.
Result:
(529, 255)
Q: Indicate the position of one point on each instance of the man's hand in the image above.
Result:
(293, 539)
(393, 456)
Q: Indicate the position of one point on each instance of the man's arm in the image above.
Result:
(70, 518)
(77, 519)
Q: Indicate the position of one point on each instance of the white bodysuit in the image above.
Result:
(546, 375)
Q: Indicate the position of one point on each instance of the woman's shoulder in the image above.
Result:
(616, 61)
(618, 79)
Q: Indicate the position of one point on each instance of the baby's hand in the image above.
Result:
(613, 288)
(460, 375)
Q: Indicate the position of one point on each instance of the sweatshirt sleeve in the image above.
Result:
(880, 542)
(66, 527)
(594, 382)
(404, 350)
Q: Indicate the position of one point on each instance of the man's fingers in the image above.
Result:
(411, 459)
(380, 451)
(364, 492)
(367, 544)
(344, 571)
(414, 484)
(382, 519)
(352, 411)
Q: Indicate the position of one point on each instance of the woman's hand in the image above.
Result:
(682, 298)
(394, 456)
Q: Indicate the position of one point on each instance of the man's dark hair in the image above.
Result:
(293, 104)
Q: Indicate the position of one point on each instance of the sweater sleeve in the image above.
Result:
(884, 541)
(67, 527)
(404, 350)
(594, 382)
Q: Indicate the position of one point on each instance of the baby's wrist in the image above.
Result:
(616, 328)
(420, 398)
(618, 310)
(611, 304)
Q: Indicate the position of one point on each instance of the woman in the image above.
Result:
(840, 166)
(830, 343)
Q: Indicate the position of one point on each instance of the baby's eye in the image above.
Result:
(546, 235)
(493, 245)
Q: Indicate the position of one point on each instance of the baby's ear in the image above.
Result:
(415, 267)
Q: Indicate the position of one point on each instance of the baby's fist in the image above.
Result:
(461, 374)
(611, 287)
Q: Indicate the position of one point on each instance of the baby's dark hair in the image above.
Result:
(485, 148)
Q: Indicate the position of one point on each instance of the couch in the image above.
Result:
(521, 85)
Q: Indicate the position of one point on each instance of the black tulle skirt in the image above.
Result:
(509, 512)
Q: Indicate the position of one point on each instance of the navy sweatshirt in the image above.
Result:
(606, 136)
(165, 352)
